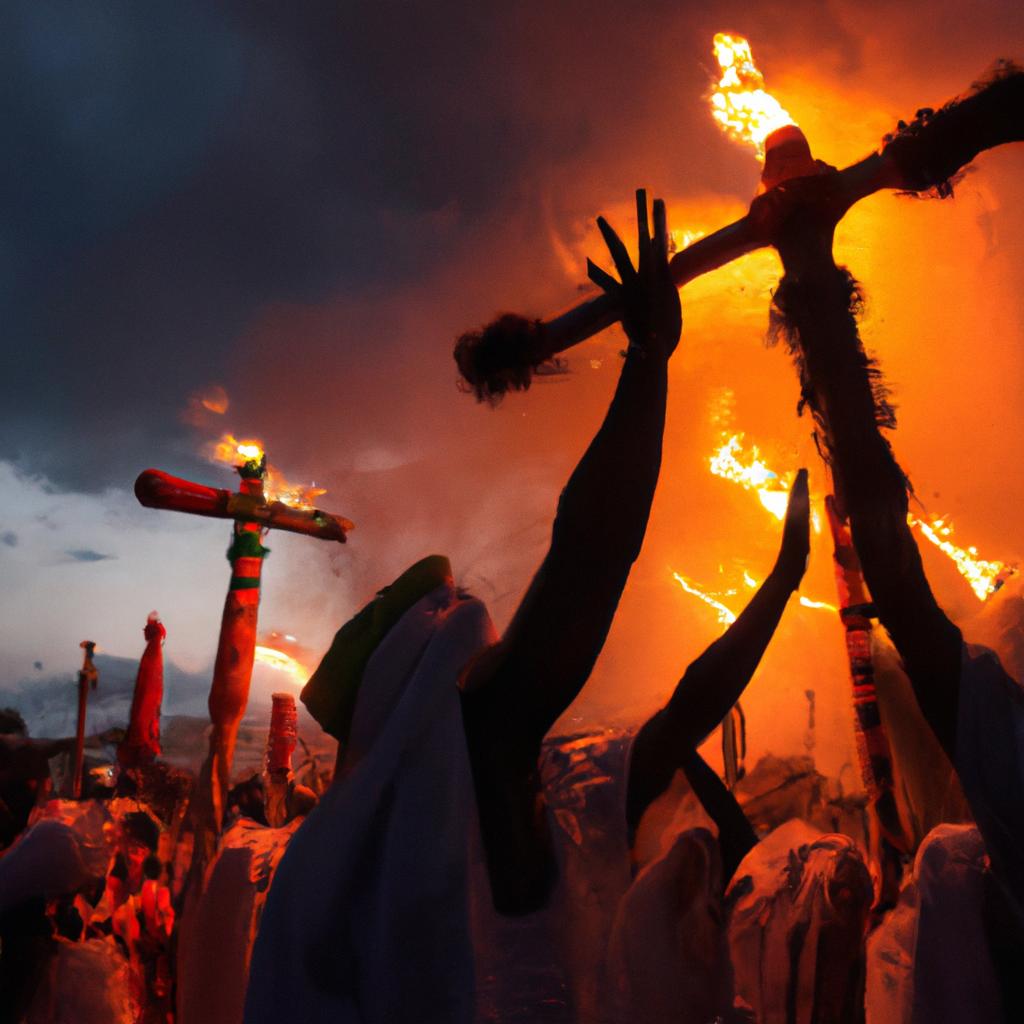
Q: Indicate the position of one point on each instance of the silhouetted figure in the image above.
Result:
(974, 708)
(710, 687)
(25, 770)
(668, 956)
(514, 692)
(368, 917)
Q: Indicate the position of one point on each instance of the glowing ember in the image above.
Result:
(725, 617)
(739, 102)
(282, 662)
(231, 451)
(984, 577)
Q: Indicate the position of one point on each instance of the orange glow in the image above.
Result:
(231, 451)
(983, 576)
(739, 101)
(281, 662)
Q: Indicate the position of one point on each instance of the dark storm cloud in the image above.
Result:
(173, 168)
(88, 555)
(9, 538)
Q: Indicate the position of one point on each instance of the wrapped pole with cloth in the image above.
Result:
(253, 512)
(141, 743)
(924, 156)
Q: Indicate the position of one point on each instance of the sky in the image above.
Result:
(303, 205)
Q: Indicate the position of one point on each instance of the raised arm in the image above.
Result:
(514, 692)
(714, 682)
(555, 636)
(816, 306)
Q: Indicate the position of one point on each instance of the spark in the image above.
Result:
(983, 576)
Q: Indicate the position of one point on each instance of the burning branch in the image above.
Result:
(924, 156)
(156, 489)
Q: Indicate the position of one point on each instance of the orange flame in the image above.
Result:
(725, 616)
(739, 101)
(751, 474)
(282, 662)
(230, 451)
(983, 576)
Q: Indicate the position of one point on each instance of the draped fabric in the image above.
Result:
(990, 762)
(368, 916)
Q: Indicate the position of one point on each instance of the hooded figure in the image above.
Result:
(389, 842)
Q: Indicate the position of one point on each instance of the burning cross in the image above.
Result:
(253, 513)
(924, 156)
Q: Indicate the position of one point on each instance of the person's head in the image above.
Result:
(12, 723)
(384, 642)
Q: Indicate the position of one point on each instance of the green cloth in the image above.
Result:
(330, 695)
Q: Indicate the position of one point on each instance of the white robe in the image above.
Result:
(929, 961)
(990, 762)
(368, 916)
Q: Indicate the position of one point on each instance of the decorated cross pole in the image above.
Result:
(887, 837)
(253, 513)
(923, 156)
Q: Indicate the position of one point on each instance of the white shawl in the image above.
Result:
(368, 916)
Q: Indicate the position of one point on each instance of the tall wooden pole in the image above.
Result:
(88, 677)
(887, 837)
(232, 672)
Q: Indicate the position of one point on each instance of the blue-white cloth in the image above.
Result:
(367, 920)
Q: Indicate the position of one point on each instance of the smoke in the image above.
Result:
(304, 207)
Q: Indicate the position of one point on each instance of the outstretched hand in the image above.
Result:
(651, 314)
(796, 533)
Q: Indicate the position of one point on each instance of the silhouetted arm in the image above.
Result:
(514, 692)
(736, 836)
(817, 302)
(556, 634)
(714, 682)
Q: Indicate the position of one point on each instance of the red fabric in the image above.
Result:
(141, 744)
(283, 733)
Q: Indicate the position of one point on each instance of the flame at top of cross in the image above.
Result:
(231, 451)
(740, 103)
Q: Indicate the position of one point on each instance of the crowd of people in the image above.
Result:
(461, 866)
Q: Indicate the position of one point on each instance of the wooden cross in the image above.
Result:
(252, 513)
(925, 155)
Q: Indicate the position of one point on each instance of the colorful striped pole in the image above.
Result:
(281, 743)
(887, 836)
(232, 670)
